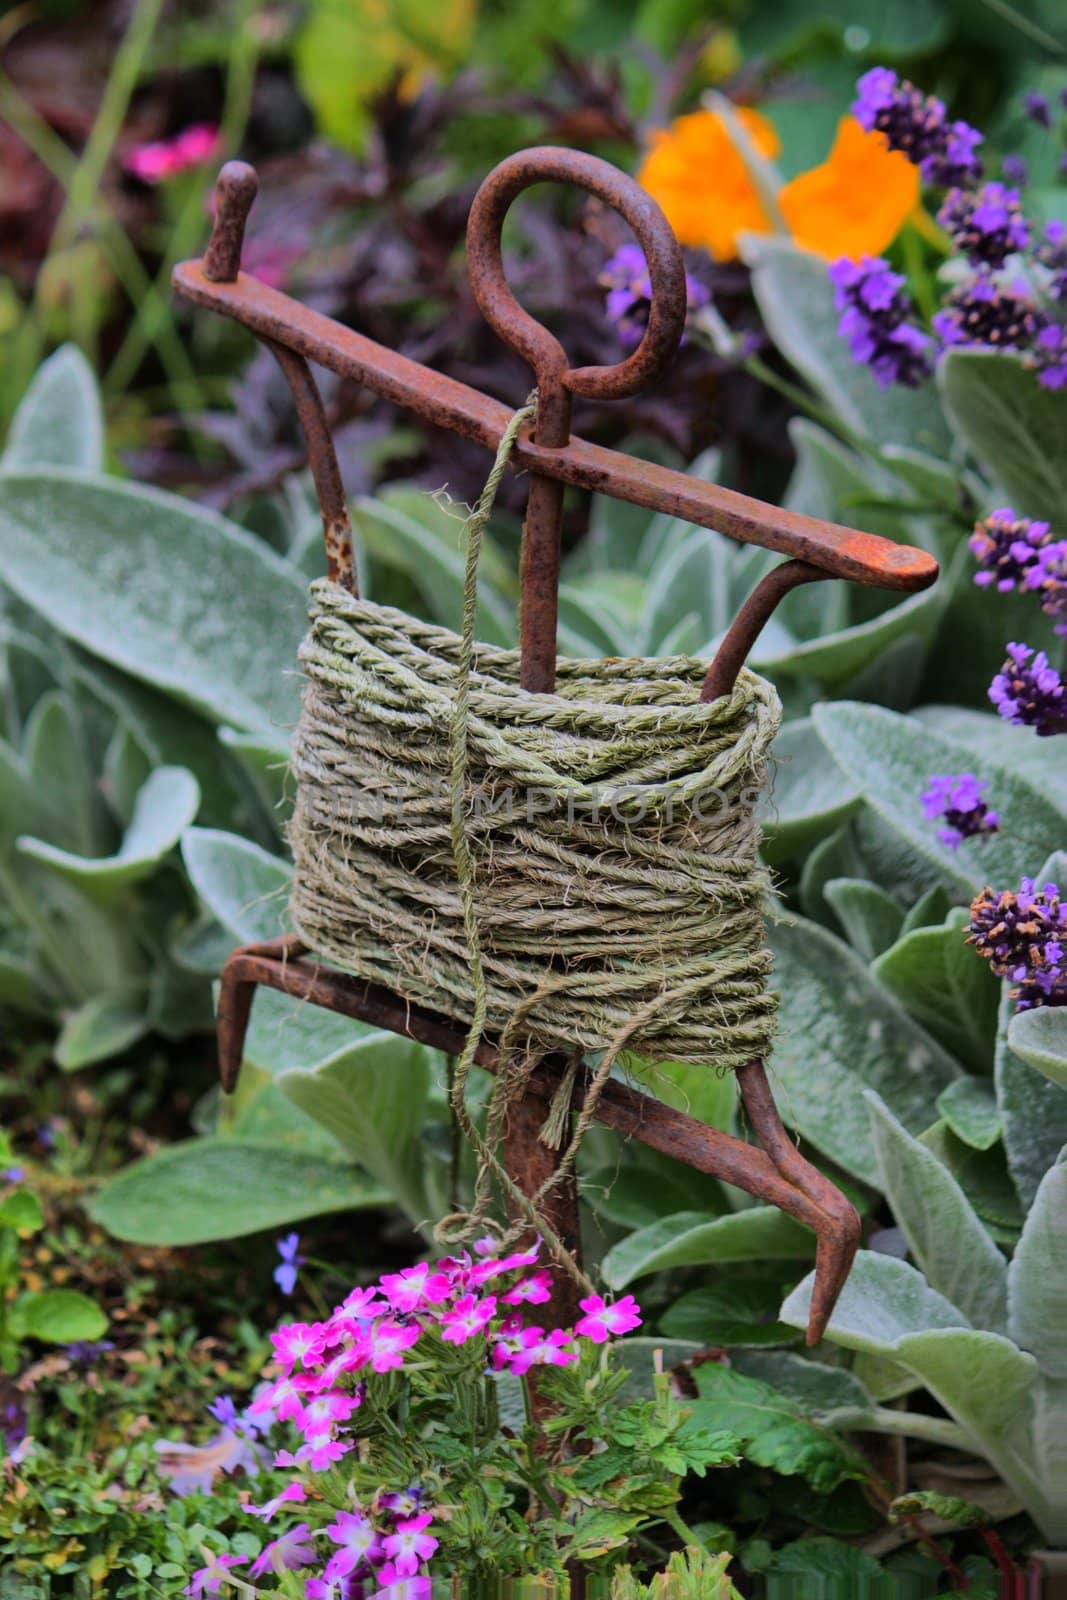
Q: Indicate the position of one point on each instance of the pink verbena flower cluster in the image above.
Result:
(165, 158)
(325, 1369)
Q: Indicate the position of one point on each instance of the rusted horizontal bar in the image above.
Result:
(841, 552)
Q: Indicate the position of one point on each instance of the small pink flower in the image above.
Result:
(388, 1341)
(414, 1287)
(164, 158)
(361, 1303)
(535, 1290)
(602, 1321)
(323, 1414)
(208, 1580)
(540, 1349)
(279, 1400)
(410, 1545)
(286, 1554)
(318, 1454)
(358, 1540)
(292, 1494)
(394, 1586)
(485, 1245)
(298, 1343)
(467, 1319)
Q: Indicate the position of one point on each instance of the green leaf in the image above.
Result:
(168, 591)
(813, 1387)
(1015, 429)
(20, 988)
(947, 987)
(1037, 1277)
(840, 1033)
(990, 739)
(244, 887)
(810, 796)
(205, 1189)
(832, 1570)
(945, 1507)
(103, 1027)
(285, 1033)
(891, 759)
(59, 1316)
(870, 917)
(164, 808)
(983, 1176)
(743, 1313)
(945, 1237)
(796, 301)
(982, 1379)
(59, 421)
(266, 760)
(773, 1432)
(884, 1301)
(372, 1098)
(710, 1097)
(21, 1211)
(1039, 1037)
(691, 1239)
(55, 755)
(969, 1106)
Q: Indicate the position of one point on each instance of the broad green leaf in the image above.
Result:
(164, 808)
(59, 421)
(372, 1098)
(103, 1027)
(206, 1189)
(984, 1177)
(796, 301)
(1033, 1112)
(982, 1379)
(884, 1301)
(1015, 429)
(969, 1106)
(813, 1387)
(286, 1034)
(945, 1237)
(20, 987)
(648, 1188)
(892, 758)
(22, 1211)
(59, 1316)
(58, 769)
(929, 911)
(261, 1112)
(241, 885)
(837, 658)
(810, 795)
(266, 760)
(776, 1434)
(742, 1314)
(990, 739)
(870, 917)
(946, 1508)
(691, 1239)
(947, 987)
(1039, 1037)
(829, 1568)
(169, 592)
(708, 1096)
(841, 1033)
(127, 768)
(1037, 1277)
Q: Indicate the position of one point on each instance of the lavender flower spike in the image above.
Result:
(1023, 936)
(981, 311)
(917, 125)
(1006, 548)
(629, 297)
(874, 310)
(987, 224)
(1029, 692)
(1048, 577)
(958, 799)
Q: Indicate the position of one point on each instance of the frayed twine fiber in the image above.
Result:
(575, 870)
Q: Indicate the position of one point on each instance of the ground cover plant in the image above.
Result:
(876, 337)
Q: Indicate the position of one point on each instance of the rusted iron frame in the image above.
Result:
(322, 459)
(777, 1173)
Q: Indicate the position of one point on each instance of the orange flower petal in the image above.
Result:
(856, 202)
(699, 179)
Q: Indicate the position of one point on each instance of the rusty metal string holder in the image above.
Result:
(554, 458)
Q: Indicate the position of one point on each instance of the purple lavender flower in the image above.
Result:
(1029, 692)
(980, 311)
(958, 799)
(986, 224)
(1049, 356)
(1047, 576)
(12, 1174)
(1052, 254)
(629, 297)
(1036, 107)
(1023, 936)
(82, 1353)
(1006, 547)
(291, 1262)
(1015, 170)
(12, 1424)
(917, 125)
(874, 310)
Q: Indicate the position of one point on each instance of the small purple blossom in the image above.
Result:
(1049, 356)
(917, 125)
(1015, 170)
(1023, 936)
(209, 1579)
(982, 312)
(958, 799)
(291, 1262)
(874, 311)
(629, 297)
(83, 1352)
(1048, 578)
(1051, 252)
(1029, 692)
(12, 1174)
(12, 1424)
(986, 225)
(1006, 548)
(287, 1553)
(1037, 108)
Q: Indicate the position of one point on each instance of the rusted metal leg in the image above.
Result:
(248, 967)
(839, 1238)
(532, 1163)
(750, 621)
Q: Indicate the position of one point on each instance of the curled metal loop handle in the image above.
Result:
(548, 164)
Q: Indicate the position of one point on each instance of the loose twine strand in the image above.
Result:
(611, 936)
